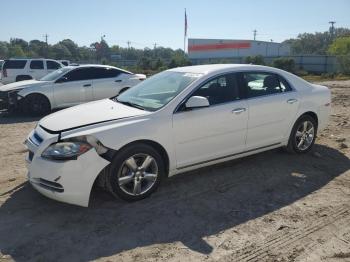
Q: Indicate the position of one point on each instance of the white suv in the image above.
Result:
(15, 70)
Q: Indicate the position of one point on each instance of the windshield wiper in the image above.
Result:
(130, 104)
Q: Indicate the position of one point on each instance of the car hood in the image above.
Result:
(21, 85)
(88, 114)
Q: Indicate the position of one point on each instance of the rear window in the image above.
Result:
(36, 64)
(104, 72)
(14, 64)
(52, 65)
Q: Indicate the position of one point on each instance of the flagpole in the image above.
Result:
(185, 29)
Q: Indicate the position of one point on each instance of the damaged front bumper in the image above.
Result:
(9, 100)
(68, 181)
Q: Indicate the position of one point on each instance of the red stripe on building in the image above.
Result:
(209, 47)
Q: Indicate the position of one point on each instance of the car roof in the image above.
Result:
(212, 68)
(97, 65)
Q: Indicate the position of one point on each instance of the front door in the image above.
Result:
(74, 88)
(213, 132)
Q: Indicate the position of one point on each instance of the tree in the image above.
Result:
(16, 51)
(3, 50)
(341, 48)
(60, 51)
(287, 64)
(72, 47)
(255, 60)
(316, 43)
(38, 48)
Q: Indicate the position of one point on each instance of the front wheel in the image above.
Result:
(135, 172)
(303, 135)
(36, 104)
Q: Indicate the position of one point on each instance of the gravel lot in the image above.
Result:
(269, 207)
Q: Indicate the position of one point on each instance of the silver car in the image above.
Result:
(68, 86)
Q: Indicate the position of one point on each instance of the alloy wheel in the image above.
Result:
(138, 174)
(304, 135)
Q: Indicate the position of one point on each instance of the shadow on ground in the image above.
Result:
(14, 118)
(186, 208)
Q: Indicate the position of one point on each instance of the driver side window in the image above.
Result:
(221, 89)
(79, 74)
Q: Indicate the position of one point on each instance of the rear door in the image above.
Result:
(52, 66)
(107, 82)
(37, 69)
(272, 104)
(74, 88)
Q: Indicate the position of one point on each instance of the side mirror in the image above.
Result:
(197, 102)
(62, 79)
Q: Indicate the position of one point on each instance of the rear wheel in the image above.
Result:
(303, 135)
(36, 104)
(135, 172)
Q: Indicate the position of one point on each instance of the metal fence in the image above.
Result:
(309, 63)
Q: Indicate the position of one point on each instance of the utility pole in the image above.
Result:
(155, 45)
(254, 34)
(46, 36)
(128, 44)
(331, 29)
(47, 45)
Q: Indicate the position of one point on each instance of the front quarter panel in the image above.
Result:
(46, 90)
(155, 127)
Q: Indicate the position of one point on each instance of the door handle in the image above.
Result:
(292, 101)
(118, 80)
(238, 110)
(86, 85)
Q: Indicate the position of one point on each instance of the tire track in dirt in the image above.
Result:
(284, 239)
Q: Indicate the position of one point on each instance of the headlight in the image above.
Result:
(66, 150)
(71, 148)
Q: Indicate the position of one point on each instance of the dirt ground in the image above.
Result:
(269, 207)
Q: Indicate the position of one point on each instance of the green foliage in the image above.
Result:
(255, 60)
(341, 48)
(287, 64)
(315, 44)
(16, 51)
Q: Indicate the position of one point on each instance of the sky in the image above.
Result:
(146, 22)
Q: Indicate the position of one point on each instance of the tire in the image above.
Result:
(301, 131)
(130, 180)
(23, 77)
(36, 105)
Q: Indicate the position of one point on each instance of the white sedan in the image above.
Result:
(68, 86)
(176, 121)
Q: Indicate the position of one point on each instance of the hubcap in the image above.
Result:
(305, 135)
(138, 174)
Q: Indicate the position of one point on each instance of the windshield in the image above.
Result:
(157, 91)
(56, 74)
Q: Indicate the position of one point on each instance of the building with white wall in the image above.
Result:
(225, 48)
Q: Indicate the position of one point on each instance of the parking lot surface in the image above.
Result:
(269, 207)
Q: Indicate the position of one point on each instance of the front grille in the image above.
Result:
(49, 185)
(4, 100)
